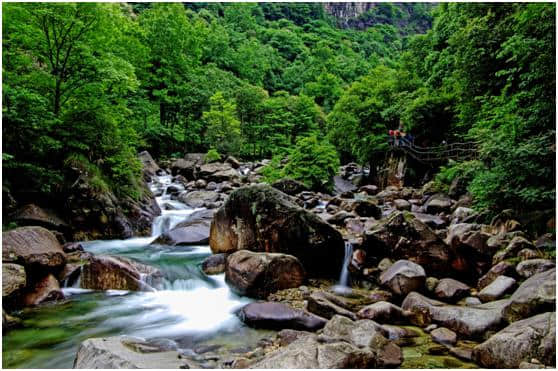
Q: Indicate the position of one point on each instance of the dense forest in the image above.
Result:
(87, 86)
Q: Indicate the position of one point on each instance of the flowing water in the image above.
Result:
(343, 286)
(190, 308)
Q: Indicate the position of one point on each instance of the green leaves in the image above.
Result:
(311, 161)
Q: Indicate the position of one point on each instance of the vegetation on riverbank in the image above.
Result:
(88, 85)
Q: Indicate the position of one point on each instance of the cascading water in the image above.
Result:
(343, 285)
(188, 307)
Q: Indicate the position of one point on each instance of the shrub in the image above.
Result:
(211, 156)
(311, 162)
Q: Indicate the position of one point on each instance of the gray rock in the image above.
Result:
(31, 214)
(383, 312)
(273, 315)
(321, 304)
(467, 321)
(198, 198)
(193, 231)
(528, 268)
(402, 204)
(33, 247)
(470, 301)
(150, 167)
(433, 221)
(451, 290)
(308, 352)
(112, 353)
(260, 274)
(437, 203)
(533, 337)
(341, 185)
(470, 242)
(444, 336)
(403, 277)
(498, 288)
(537, 294)
(461, 213)
(403, 236)
(517, 244)
(287, 336)
(500, 269)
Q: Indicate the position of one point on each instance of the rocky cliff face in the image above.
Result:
(345, 12)
(408, 17)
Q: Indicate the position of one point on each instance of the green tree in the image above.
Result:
(223, 127)
(310, 161)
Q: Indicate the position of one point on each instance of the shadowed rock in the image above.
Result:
(260, 218)
(272, 315)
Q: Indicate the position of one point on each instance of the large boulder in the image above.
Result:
(45, 289)
(116, 353)
(260, 218)
(198, 198)
(218, 172)
(537, 294)
(404, 236)
(193, 231)
(467, 321)
(403, 277)
(273, 315)
(189, 233)
(260, 274)
(13, 279)
(103, 215)
(343, 344)
(533, 337)
(469, 241)
(31, 214)
(117, 273)
(188, 166)
(33, 247)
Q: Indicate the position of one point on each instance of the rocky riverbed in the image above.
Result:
(363, 277)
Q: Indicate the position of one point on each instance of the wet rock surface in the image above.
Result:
(259, 274)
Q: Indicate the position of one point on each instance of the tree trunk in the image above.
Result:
(57, 94)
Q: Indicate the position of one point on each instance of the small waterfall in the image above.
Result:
(344, 278)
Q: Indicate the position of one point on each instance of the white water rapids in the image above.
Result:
(188, 309)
